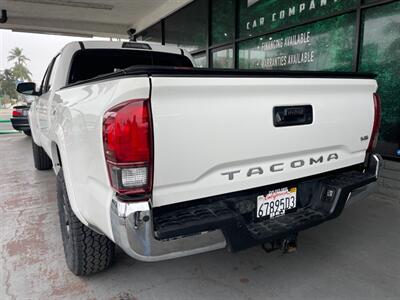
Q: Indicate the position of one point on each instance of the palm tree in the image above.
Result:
(16, 54)
(20, 69)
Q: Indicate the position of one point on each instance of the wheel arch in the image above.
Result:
(56, 157)
(33, 125)
(60, 160)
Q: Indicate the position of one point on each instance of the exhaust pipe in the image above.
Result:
(3, 16)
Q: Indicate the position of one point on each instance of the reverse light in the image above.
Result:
(134, 177)
(127, 139)
(377, 123)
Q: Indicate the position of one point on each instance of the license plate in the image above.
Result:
(24, 113)
(276, 203)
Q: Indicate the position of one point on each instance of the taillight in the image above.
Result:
(377, 123)
(17, 112)
(127, 138)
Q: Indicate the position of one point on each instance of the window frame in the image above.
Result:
(45, 86)
(152, 56)
(226, 47)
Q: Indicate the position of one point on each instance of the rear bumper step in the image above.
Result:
(229, 220)
(238, 233)
(273, 229)
(235, 215)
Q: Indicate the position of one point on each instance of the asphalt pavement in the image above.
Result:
(5, 115)
(5, 127)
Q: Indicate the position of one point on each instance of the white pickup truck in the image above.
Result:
(166, 160)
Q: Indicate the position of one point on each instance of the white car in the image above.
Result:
(166, 160)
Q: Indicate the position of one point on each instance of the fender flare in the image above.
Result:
(58, 149)
(33, 124)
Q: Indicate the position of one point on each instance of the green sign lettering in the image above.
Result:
(260, 16)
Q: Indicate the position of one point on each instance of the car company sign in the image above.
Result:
(258, 16)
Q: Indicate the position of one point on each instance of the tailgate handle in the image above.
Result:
(293, 115)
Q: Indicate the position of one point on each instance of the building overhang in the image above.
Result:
(106, 18)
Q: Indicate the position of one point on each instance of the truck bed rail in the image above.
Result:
(156, 71)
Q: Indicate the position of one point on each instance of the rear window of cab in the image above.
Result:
(90, 63)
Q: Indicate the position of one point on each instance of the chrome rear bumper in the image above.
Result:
(133, 231)
(365, 191)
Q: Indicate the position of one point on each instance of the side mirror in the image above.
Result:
(27, 88)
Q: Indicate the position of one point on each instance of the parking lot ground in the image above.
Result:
(5, 115)
(356, 256)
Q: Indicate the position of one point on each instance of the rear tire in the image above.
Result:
(86, 251)
(40, 158)
(27, 132)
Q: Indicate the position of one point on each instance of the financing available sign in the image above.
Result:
(259, 16)
(320, 45)
(325, 45)
(286, 59)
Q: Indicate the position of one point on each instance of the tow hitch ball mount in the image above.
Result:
(287, 245)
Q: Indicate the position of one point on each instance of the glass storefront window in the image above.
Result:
(223, 59)
(151, 34)
(222, 21)
(200, 60)
(326, 45)
(260, 16)
(380, 54)
(187, 28)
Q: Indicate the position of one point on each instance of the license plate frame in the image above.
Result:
(276, 203)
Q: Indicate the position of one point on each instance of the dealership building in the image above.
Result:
(311, 35)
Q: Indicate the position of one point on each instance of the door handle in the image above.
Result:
(292, 115)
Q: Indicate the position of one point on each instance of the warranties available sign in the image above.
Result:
(323, 45)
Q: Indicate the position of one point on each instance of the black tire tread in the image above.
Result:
(40, 158)
(86, 251)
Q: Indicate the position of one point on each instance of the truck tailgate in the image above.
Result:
(215, 135)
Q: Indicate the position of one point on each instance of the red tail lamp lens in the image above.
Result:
(127, 146)
(17, 113)
(377, 123)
